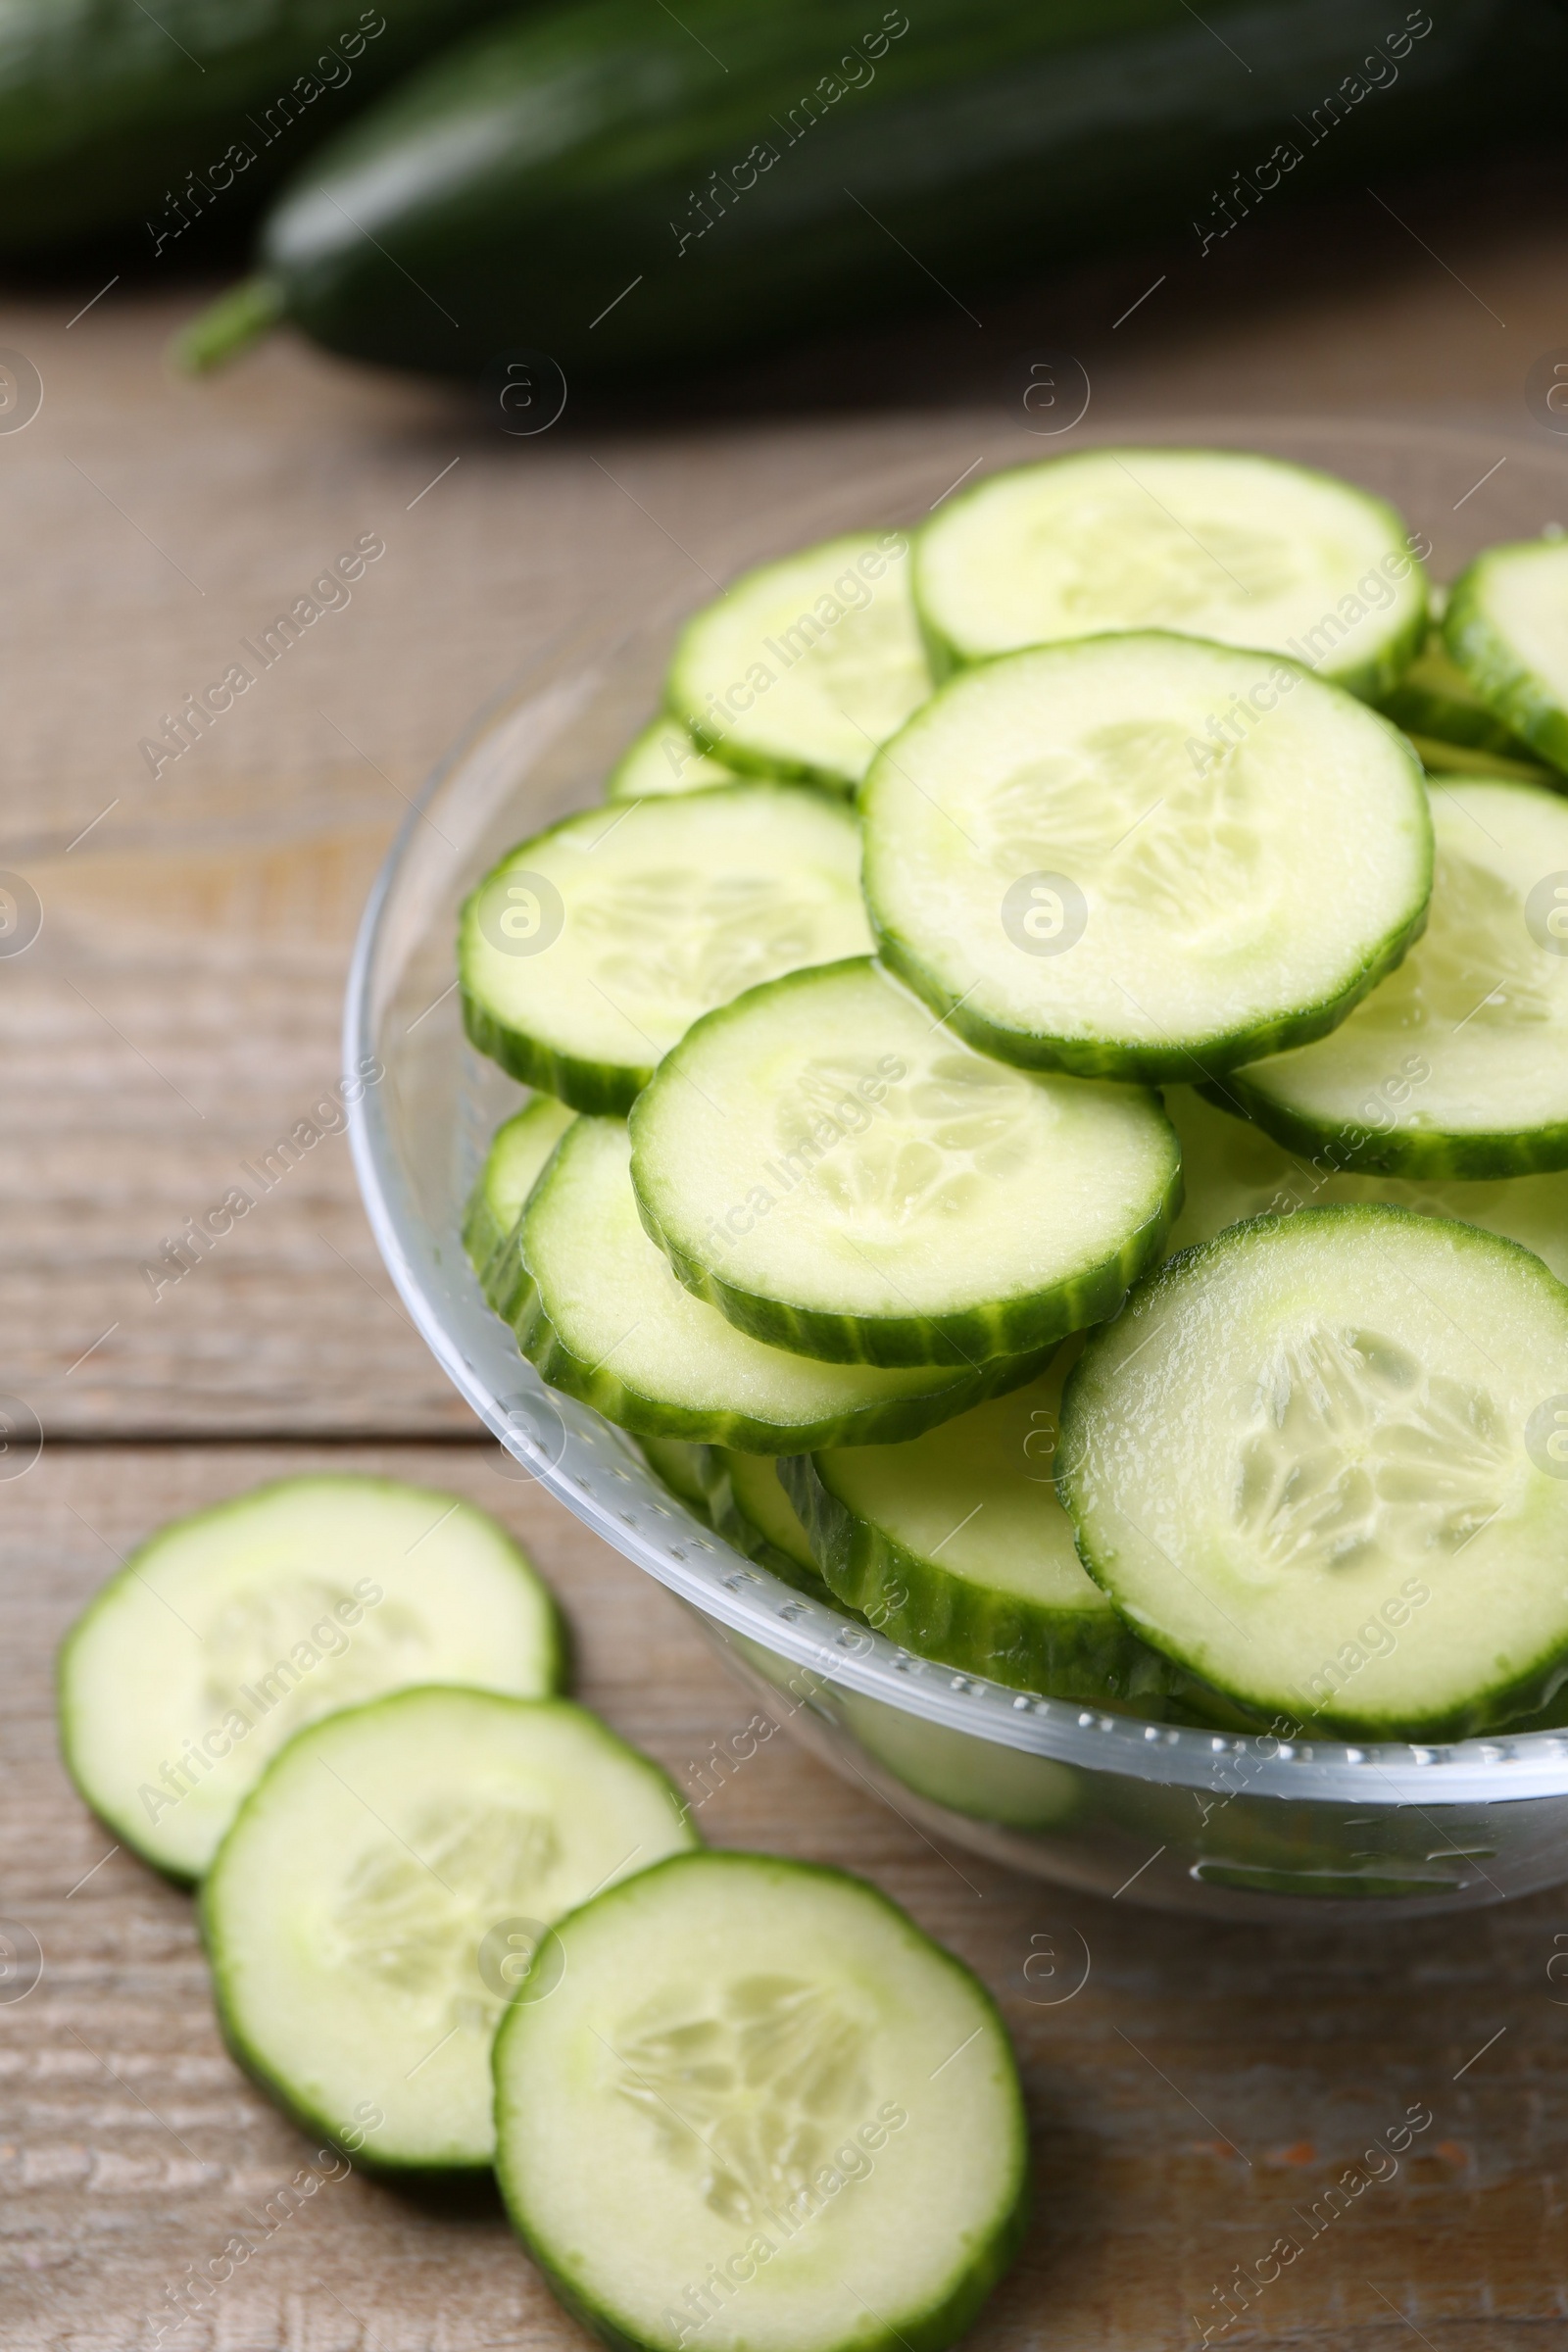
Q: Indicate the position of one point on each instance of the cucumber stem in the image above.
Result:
(228, 325)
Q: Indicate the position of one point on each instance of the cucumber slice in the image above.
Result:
(1212, 542)
(519, 1150)
(1507, 628)
(954, 1546)
(1444, 759)
(627, 924)
(384, 1887)
(663, 759)
(1060, 861)
(793, 2124)
(1457, 1066)
(802, 668)
(681, 1467)
(976, 1776)
(226, 1632)
(1313, 1462)
(752, 1508)
(609, 1322)
(839, 1175)
(1434, 700)
(1232, 1171)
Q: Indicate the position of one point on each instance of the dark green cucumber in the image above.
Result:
(140, 122)
(618, 185)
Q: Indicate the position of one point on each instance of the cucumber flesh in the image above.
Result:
(977, 1777)
(609, 1322)
(519, 1150)
(752, 1509)
(591, 948)
(1434, 700)
(228, 1631)
(1232, 1171)
(1444, 759)
(1063, 860)
(794, 2125)
(663, 759)
(804, 667)
(680, 1466)
(1243, 550)
(1507, 628)
(1312, 1461)
(837, 1174)
(382, 1890)
(1457, 1066)
(954, 1546)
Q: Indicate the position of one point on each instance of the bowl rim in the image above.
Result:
(719, 1583)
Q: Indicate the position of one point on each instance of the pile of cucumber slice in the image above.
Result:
(454, 1922)
(1068, 1014)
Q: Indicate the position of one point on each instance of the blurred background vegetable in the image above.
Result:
(624, 189)
(115, 119)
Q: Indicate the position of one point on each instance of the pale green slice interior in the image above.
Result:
(1222, 887)
(1444, 759)
(1434, 697)
(679, 1464)
(663, 759)
(1304, 1461)
(978, 1777)
(1215, 543)
(386, 1889)
(832, 1145)
(807, 666)
(612, 1299)
(755, 1485)
(1432, 674)
(519, 1150)
(977, 1496)
(1470, 1034)
(230, 1629)
(1522, 591)
(1232, 1171)
(669, 906)
(748, 2058)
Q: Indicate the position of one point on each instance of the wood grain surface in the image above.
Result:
(1195, 2094)
(1191, 2101)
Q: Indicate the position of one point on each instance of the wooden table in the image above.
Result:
(179, 1010)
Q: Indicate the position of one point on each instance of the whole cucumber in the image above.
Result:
(621, 185)
(114, 115)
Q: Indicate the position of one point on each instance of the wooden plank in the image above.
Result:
(1207, 2086)
(1192, 2103)
(181, 1008)
(177, 1015)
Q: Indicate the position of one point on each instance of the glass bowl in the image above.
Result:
(1175, 1817)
